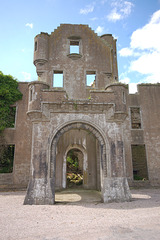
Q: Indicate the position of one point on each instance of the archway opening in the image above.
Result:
(74, 168)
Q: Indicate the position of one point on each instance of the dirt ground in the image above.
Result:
(81, 215)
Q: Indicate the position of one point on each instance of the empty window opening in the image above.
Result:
(124, 98)
(135, 118)
(35, 46)
(6, 158)
(11, 118)
(74, 168)
(139, 162)
(58, 79)
(74, 47)
(91, 79)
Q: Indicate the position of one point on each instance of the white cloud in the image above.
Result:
(125, 80)
(120, 10)
(115, 37)
(145, 46)
(29, 25)
(147, 64)
(87, 9)
(26, 76)
(148, 37)
(126, 8)
(114, 16)
(125, 52)
(99, 30)
(132, 87)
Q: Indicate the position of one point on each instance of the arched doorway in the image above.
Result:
(89, 141)
(85, 144)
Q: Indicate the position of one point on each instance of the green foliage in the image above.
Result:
(74, 176)
(9, 94)
(72, 163)
(6, 158)
(137, 178)
(73, 179)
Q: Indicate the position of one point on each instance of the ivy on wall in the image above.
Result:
(9, 94)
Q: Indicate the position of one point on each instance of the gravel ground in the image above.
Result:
(81, 216)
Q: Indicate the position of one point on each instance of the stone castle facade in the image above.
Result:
(78, 103)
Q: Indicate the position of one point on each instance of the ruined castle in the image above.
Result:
(78, 103)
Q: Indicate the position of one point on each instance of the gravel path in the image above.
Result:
(85, 219)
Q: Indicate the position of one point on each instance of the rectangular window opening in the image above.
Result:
(58, 79)
(35, 46)
(6, 158)
(91, 79)
(31, 95)
(124, 98)
(12, 118)
(74, 47)
(135, 118)
(139, 162)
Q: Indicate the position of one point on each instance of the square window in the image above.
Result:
(58, 79)
(74, 47)
(91, 79)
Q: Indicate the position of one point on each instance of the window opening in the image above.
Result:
(12, 118)
(74, 168)
(35, 46)
(31, 95)
(74, 47)
(124, 98)
(6, 158)
(58, 79)
(91, 79)
(135, 118)
(139, 162)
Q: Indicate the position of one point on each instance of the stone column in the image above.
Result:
(115, 184)
(41, 186)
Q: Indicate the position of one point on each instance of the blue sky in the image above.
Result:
(135, 24)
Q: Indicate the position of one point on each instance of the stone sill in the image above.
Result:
(74, 56)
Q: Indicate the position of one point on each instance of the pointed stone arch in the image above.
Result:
(90, 128)
(84, 126)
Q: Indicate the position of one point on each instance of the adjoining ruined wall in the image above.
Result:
(147, 133)
(20, 136)
(149, 103)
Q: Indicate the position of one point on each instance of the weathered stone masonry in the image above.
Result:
(99, 118)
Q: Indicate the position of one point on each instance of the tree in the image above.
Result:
(9, 94)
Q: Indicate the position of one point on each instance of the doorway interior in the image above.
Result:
(74, 168)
